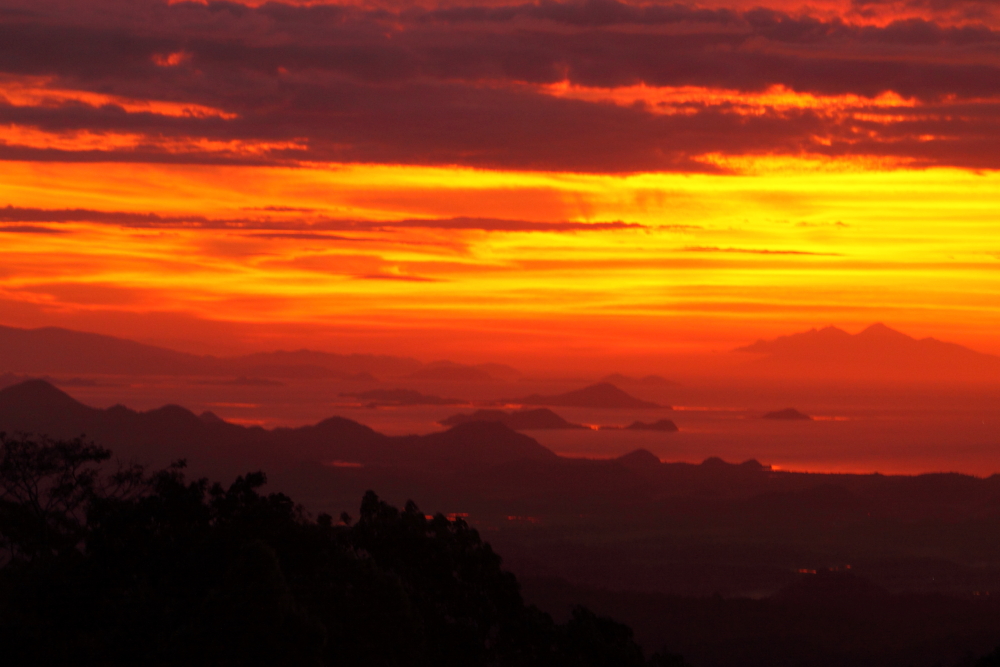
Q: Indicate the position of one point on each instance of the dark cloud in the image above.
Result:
(588, 13)
(29, 229)
(305, 228)
(459, 85)
(20, 214)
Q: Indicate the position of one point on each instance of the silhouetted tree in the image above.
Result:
(589, 640)
(45, 488)
(128, 569)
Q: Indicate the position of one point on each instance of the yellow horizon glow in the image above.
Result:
(721, 257)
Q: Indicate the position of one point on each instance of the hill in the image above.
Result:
(673, 527)
(601, 395)
(876, 352)
(171, 432)
(63, 351)
(541, 418)
(666, 425)
(647, 380)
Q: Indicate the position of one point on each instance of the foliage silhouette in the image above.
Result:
(117, 567)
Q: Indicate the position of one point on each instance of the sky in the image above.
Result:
(499, 180)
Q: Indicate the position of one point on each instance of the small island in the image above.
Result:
(602, 395)
(661, 425)
(664, 425)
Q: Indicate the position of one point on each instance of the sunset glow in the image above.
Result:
(506, 333)
(321, 189)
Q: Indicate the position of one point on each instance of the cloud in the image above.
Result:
(29, 229)
(465, 85)
(309, 227)
(89, 293)
(21, 214)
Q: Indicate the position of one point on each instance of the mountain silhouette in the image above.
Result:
(303, 363)
(665, 425)
(55, 350)
(647, 380)
(32, 404)
(876, 351)
(639, 459)
(630, 513)
(171, 432)
(541, 418)
(60, 351)
(601, 395)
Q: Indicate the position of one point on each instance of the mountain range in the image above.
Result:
(157, 437)
(540, 418)
(600, 395)
(647, 380)
(877, 351)
(56, 350)
(665, 425)
(628, 523)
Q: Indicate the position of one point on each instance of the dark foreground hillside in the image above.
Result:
(722, 563)
(828, 618)
(123, 568)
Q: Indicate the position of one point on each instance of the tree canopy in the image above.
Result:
(108, 565)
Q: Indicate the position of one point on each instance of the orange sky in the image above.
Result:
(270, 198)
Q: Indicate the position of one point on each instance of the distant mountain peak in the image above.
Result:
(878, 351)
(640, 459)
(38, 392)
(34, 404)
(828, 332)
(172, 432)
(539, 418)
(600, 395)
(880, 330)
(648, 380)
(489, 441)
(828, 335)
(210, 417)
